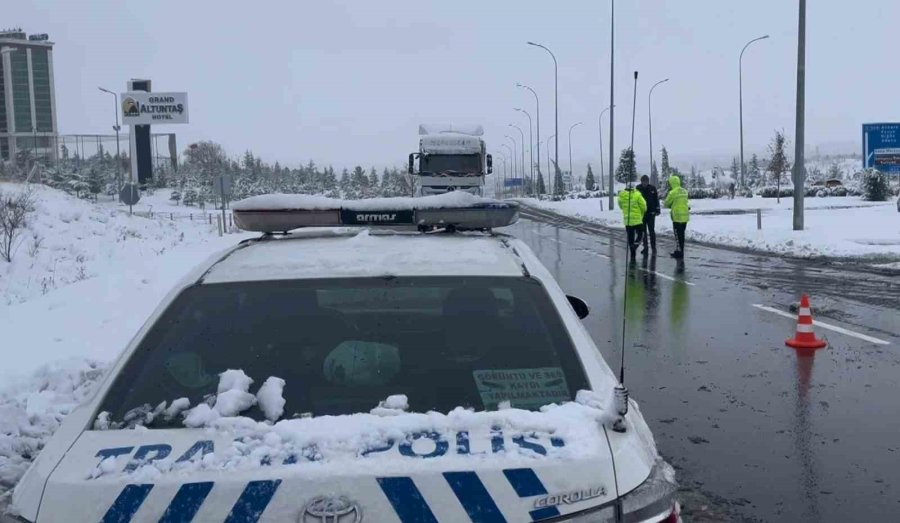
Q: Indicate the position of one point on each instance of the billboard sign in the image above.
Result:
(142, 108)
(514, 182)
(881, 147)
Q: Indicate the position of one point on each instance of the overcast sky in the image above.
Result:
(348, 82)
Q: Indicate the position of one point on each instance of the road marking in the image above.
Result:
(828, 326)
(670, 278)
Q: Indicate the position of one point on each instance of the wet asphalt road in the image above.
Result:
(756, 430)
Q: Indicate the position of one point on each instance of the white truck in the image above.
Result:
(450, 160)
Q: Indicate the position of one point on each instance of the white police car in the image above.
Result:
(357, 374)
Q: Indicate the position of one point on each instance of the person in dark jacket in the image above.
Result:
(651, 196)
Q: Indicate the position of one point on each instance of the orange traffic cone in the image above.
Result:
(805, 337)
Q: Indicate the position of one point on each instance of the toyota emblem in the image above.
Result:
(331, 509)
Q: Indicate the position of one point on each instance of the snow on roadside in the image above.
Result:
(834, 227)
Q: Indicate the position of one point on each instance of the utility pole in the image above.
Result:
(600, 129)
(530, 148)
(549, 179)
(522, 133)
(799, 170)
(612, 101)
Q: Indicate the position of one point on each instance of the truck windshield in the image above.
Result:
(341, 345)
(450, 164)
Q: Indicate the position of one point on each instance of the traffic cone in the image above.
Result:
(805, 337)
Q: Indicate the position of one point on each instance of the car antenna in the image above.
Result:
(628, 247)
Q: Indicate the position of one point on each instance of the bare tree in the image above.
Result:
(15, 211)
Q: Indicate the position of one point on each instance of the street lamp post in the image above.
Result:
(741, 98)
(612, 100)
(653, 175)
(116, 127)
(600, 129)
(550, 181)
(531, 148)
(521, 165)
(537, 118)
(513, 152)
(555, 101)
(799, 123)
(572, 172)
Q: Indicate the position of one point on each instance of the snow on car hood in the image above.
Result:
(509, 465)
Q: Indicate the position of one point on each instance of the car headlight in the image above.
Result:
(653, 501)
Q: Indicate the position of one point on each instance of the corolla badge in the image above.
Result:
(331, 509)
(567, 498)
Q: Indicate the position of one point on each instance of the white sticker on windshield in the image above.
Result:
(523, 388)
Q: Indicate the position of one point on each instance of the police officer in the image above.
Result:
(651, 196)
(633, 209)
(677, 200)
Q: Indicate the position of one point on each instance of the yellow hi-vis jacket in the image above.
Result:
(633, 206)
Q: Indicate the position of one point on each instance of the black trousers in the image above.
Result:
(650, 229)
(680, 228)
(634, 233)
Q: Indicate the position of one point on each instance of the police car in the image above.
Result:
(391, 360)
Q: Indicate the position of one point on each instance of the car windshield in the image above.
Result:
(342, 345)
(451, 163)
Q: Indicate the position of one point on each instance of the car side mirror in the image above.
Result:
(411, 163)
(490, 164)
(579, 306)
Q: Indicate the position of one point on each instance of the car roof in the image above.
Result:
(353, 253)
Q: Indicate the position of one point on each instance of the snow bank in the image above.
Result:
(32, 408)
(307, 202)
(834, 227)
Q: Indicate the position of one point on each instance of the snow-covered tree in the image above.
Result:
(626, 172)
(589, 183)
(875, 186)
(665, 169)
(835, 172)
(778, 162)
(754, 172)
(736, 169)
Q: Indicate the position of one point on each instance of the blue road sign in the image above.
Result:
(514, 182)
(881, 147)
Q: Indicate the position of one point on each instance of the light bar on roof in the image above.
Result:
(456, 210)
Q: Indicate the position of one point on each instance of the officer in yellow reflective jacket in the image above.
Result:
(633, 207)
(678, 201)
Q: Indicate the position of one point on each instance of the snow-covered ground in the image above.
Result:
(84, 279)
(835, 227)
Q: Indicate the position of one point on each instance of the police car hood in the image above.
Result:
(509, 465)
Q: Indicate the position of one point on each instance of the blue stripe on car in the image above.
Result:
(186, 503)
(127, 504)
(526, 484)
(474, 497)
(407, 501)
(253, 501)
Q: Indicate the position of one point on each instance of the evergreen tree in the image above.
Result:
(344, 184)
(654, 172)
(95, 182)
(778, 163)
(589, 183)
(329, 180)
(626, 171)
(692, 181)
(666, 169)
(558, 187)
(735, 169)
(754, 172)
(875, 186)
(541, 187)
(835, 172)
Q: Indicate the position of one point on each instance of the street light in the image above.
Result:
(521, 165)
(600, 129)
(800, 122)
(612, 102)
(741, 98)
(555, 99)
(653, 175)
(503, 157)
(530, 148)
(550, 181)
(512, 151)
(116, 127)
(537, 118)
(571, 172)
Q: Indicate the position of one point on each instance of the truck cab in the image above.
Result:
(450, 160)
